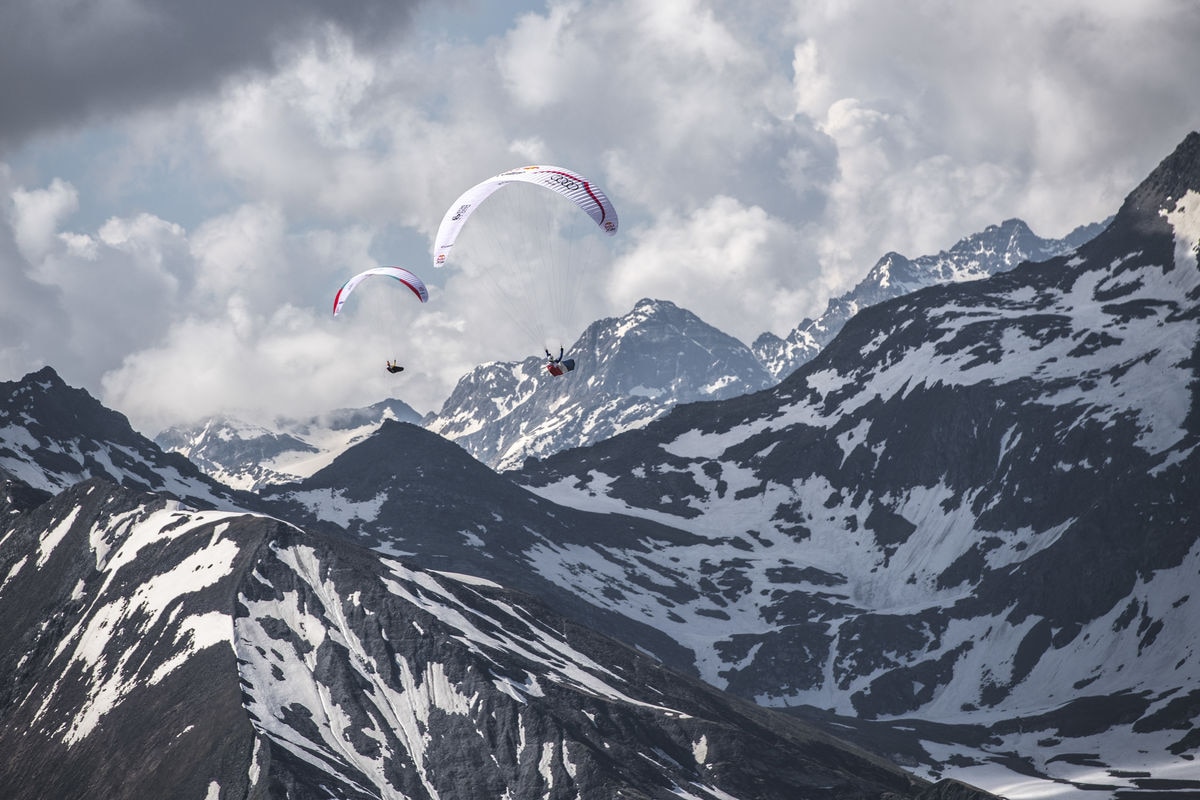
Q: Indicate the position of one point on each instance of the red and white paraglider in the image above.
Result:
(407, 278)
(532, 238)
(579, 190)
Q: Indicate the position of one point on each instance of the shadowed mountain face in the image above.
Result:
(409, 492)
(154, 650)
(53, 436)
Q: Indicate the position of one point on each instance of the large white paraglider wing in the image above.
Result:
(398, 273)
(456, 216)
(582, 192)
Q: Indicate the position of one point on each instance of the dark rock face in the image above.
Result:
(410, 492)
(952, 790)
(154, 650)
(109, 688)
(53, 436)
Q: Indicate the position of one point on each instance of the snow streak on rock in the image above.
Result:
(393, 682)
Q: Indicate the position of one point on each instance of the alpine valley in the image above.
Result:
(957, 546)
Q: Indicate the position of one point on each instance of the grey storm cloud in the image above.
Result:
(65, 62)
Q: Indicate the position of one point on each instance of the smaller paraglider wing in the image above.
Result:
(586, 195)
(398, 273)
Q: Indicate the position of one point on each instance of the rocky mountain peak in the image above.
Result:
(996, 249)
(628, 370)
(53, 435)
(1175, 176)
(61, 406)
(1159, 216)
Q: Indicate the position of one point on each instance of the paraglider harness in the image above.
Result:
(558, 366)
(393, 368)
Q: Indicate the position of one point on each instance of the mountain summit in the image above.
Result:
(53, 436)
(630, 370)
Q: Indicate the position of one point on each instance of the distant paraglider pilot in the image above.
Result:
(557, 366)
(393, 367)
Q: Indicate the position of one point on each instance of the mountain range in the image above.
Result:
(963, 536)
(160, 647)
(248, 456)
(996, 249)
(974, 514)
(157, 650)
(632, 369)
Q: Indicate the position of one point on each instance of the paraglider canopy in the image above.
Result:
(408, 279)
(529, 244)
(398, 273)
(576, 188)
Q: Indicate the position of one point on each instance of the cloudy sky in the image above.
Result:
(185, 185)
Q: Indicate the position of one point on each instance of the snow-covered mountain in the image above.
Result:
(151, 649)
(966, 534)
(247, 456)
(52, 436)
(975, 514)
(392, 490)
(632, 369)
(996, 249)
(629, 370)
(973, 517)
